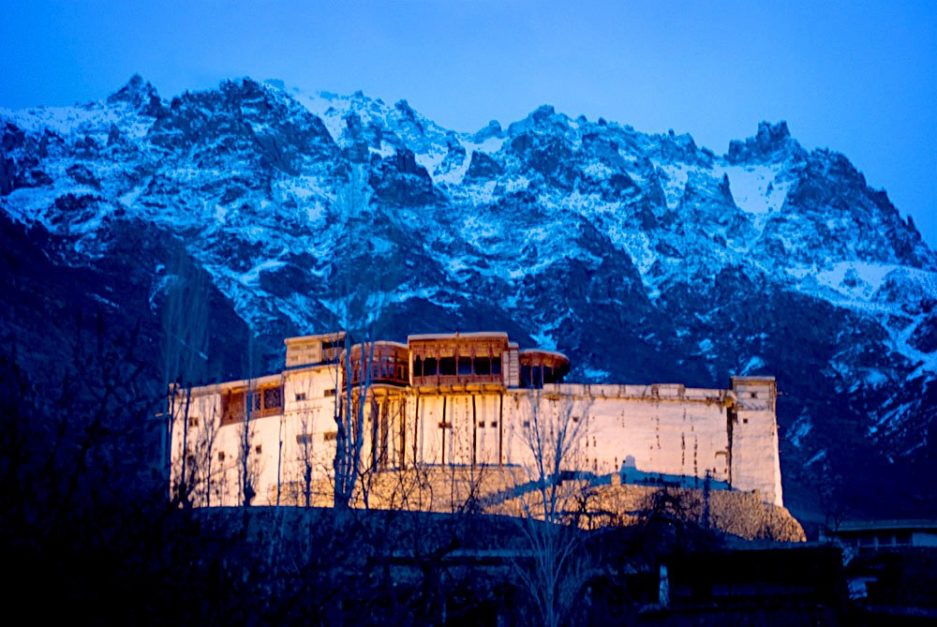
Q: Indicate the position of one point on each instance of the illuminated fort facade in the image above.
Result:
(461, 400)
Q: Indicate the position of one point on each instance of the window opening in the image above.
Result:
(447, 366)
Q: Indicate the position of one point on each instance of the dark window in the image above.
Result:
(429, 367)
(258, 449)
(220, 456)
(482, 365)
(273, 398)
(232, 407)
(328, 392)
(303, 438)
(330, 436)
(193, 421)
(465, 365)
(300, 396)
(495, 365)
(447, 366)
(417, 366)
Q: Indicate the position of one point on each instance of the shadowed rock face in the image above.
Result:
(399, 181)
(483, 167)
(645, 258)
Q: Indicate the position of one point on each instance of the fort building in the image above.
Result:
(461, 400)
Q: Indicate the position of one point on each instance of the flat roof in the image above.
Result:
(299, 339)
(378, 343)
(543, 351)
(477, 335)
(255, 382)
(753, 378)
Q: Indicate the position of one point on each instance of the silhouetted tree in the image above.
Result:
(553, 571)
(362, 294)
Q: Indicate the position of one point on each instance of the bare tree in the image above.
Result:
(185, 343)
(305, 469)
(468, 479)
(306, 458)
(364, 288)
(349, 421)
(205, 450)
(553, 570)
(193, 480)
(248, 464)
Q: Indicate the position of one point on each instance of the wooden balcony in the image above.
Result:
(468, 382)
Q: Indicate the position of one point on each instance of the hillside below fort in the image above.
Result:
(643, 257)
(606, 503)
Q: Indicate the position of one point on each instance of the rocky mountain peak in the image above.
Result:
(405, 109)
(769, 133)
(543, 112)
(140, 95)
(492, 129)
(543, 119)
(772, 142)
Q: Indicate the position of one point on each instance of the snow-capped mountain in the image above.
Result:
(644, 257)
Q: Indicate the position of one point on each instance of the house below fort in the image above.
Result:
(462, 400)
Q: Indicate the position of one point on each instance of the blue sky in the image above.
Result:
(857, 77)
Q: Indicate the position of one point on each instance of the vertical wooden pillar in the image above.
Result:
(402, 440)
(501, 429)
(416, 431)
(474, 432)
(443, 423)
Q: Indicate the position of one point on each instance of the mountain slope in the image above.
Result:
(644, 257)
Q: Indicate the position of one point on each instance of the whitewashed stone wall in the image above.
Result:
(640, 433)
